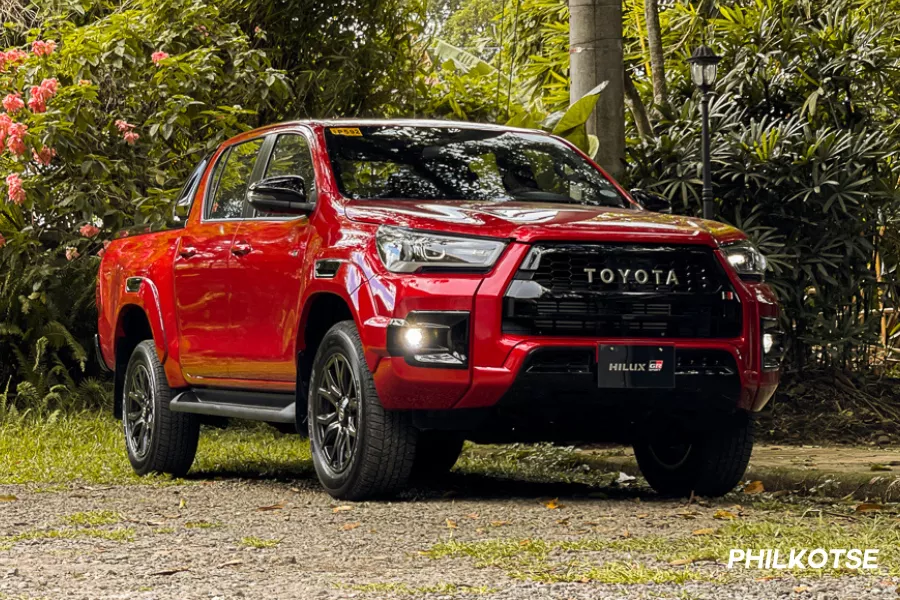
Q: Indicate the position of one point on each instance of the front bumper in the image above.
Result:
(501, 366)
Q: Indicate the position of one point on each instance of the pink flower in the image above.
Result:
(158, 56)
(2, 240)
(89, 230)
(50, 86)
(43, 48)
(11, 57)
(16, 141)
(131, 137)
(44, 156)
(102, 250)
(5, 122)
(72, 253)
(124, 126)
(13, 102)
(16, 191)
(36, 103)
(41, 93)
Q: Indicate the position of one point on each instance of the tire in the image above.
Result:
(436, 453)
(708, 464)
(378, 447)
(157, 439)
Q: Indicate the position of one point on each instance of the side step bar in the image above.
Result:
(238, 404)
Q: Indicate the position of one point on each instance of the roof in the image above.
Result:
(402, 123)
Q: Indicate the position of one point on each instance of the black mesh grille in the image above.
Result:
(606, 290)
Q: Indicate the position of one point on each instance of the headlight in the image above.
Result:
(746, 260)
(407, 251)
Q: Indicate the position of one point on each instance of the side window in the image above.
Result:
(291, 156)
(185, 200)
(232, 179)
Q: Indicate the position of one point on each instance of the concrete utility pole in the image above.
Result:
(595, 37)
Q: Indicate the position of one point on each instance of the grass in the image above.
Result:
(539, 560)
(90, 448)
(203, 524)
(258, 543)
(113, 535)
(402, 589)
(96, 518)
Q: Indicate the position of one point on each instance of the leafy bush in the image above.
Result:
(110, 105)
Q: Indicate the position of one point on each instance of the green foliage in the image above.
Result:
(121, 130)
(804, 143)
(804, 137)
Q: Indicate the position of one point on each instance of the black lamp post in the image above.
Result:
(703, 71)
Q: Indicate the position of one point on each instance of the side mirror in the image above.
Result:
(285, 194)
(652, 201)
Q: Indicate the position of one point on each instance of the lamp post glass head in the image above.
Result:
(703, 67)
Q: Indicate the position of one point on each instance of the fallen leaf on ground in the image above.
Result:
(342, 508)
(801, 588)
(350, 526)
(8, 498)
(472, 516)
(724, 514)
(643, 516)
(625, 478)
(451, 524)
(754, 487)
(626, 534)
(869, 507)
(879, 468)
(708, 531)
(171, 571)
(278, 506)
(564, 522)
(230, 563)
(553, 504)
(500, 523)
(183, 503)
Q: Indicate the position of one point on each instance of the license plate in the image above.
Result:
(635, 366)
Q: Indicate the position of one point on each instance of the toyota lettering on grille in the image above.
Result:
(633, 276)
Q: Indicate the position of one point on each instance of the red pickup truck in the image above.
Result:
(398, 287)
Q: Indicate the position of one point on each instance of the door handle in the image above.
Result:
(187, 252)
(241, 249)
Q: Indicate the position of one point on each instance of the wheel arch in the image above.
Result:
(321, 312)
(133, 326)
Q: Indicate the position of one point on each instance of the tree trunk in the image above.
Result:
(596, 55)
(637, 108)
(657, 58)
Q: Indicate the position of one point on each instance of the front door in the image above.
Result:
(202, 268)
(268, 276)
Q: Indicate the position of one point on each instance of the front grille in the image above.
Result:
(622, 290)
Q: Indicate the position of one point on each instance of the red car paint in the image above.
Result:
(228, 301)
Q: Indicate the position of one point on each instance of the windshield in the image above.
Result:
(451, 163)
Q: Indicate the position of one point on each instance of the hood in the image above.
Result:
(531, 221)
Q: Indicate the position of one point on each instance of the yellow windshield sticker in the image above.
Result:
(353, 131)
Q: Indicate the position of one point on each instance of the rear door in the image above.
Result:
(202, 280)
(268, 274)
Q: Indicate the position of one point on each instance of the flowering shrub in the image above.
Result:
(98, 126)
(107, 108)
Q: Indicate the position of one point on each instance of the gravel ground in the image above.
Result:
(191, 541)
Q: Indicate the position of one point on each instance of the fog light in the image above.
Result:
(413, 338)
(437, 339)
(772, 344)
(768, 343)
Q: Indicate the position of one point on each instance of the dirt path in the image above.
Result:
(286, 539)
